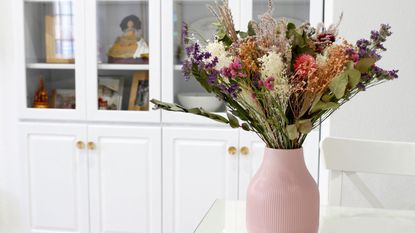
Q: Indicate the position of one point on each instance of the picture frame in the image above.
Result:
(110, 92)
(59, 48)
(63, 99)
(139, 93)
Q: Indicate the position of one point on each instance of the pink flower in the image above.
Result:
(234, 69)
(304, 65)
(269, 83)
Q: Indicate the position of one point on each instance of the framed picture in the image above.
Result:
(139, 94)
(63, 98)
(110, 92)
(59, 43)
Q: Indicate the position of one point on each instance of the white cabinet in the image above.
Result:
(125, 179)
(92, 178)
(197, 169)
(55, 178)
(78, 61)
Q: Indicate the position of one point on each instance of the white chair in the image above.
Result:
(346, 157)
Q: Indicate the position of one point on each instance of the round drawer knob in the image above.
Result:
(232, 150)
(244, 150)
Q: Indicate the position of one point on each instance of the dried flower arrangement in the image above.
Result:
(280, 80)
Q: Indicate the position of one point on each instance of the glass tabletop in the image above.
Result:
(229, 217)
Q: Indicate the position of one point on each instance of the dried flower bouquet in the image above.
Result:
(280, 80)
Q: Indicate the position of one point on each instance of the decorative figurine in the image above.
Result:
(130, 47)
(41, 99)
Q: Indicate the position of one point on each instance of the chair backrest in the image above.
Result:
(345, 157)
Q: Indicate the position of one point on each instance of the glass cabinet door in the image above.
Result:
(296, 11)
(123, 60)
(187, 93)
(53, 63)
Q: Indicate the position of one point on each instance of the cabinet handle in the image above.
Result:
(91, 146)
(232, 150)
(80, 145)
(244, 150)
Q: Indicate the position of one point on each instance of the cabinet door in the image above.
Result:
(55, 178)
(197, 171)
(51, 52)
(125, 179)
(123, 59)
(250, 162)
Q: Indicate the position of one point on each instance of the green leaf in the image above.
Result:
(245, 127)
(305, 126)
(243, 34)
(316, 100)
(338, 85)
(327, 97)
(233, 121)
(354, 77)
(364, 64)
(290, 26)
(322, 106)
(292, 132)
(194, 111)
(251, 30)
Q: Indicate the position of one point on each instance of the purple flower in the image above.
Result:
(231, 90)
(213, 76)
(187, 69)
(185, 33)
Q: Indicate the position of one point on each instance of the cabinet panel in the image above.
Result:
(125, 179)
(197, 171)
(55, 172)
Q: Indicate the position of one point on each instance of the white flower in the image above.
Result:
(217, 49)
(321, 59)
(272, 65)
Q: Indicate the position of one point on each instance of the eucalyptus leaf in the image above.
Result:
(305, 126)
(251, 31)
(292, 132)
(233, 121)
(322, 106)
(245, 127)
(354, 77)
(364, 64)
(194, 110)
(338, 85)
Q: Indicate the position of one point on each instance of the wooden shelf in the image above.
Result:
(123, 67)
(50, 66)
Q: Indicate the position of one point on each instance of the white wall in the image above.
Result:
(385, 112)
(9, 178)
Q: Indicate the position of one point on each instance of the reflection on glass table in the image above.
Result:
(229, 217)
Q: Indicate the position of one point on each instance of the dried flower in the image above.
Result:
(248, 52)
(217, 49)
(335, 64)
(305, 65)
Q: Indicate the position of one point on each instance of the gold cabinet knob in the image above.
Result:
(244, 150)
(232, 150)
(80, 145)
(91, 146)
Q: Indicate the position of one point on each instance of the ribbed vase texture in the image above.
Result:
(282, 196)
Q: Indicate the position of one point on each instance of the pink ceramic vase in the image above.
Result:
(282, 196)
